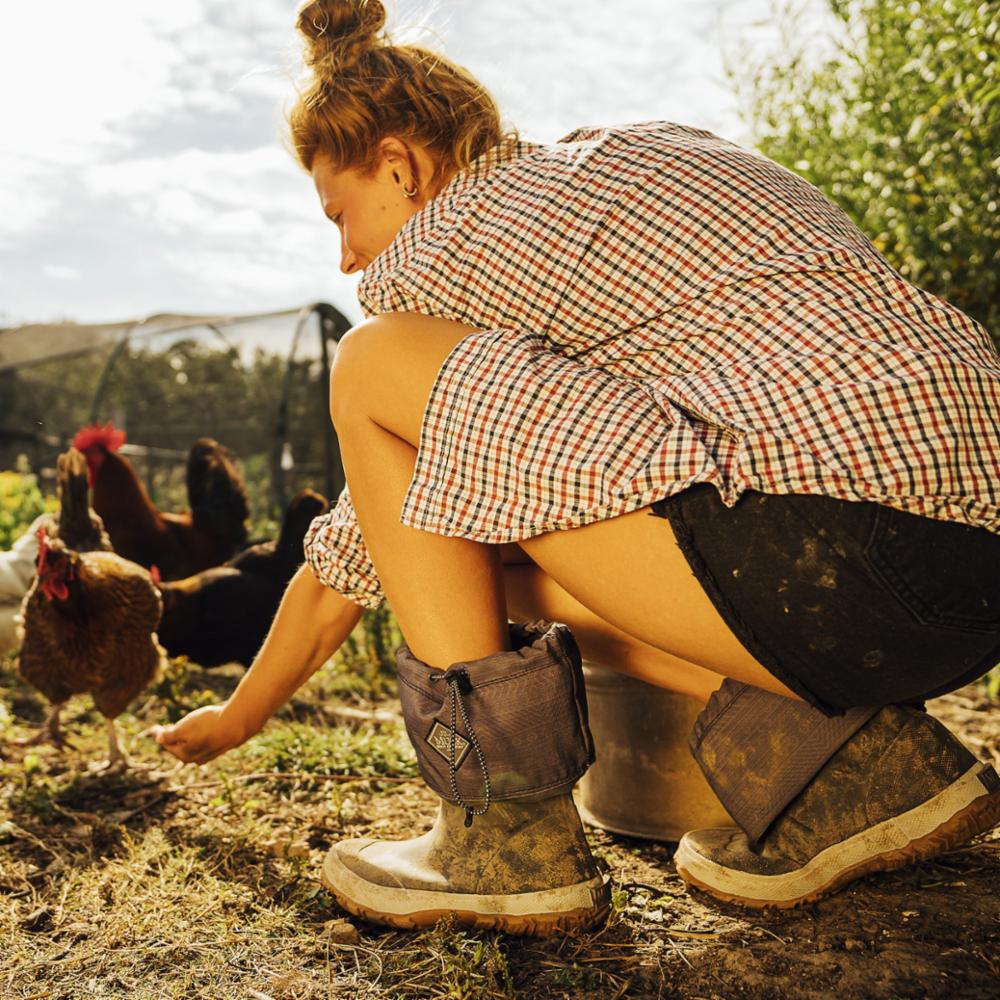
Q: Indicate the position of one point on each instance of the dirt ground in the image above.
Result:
(202, 882)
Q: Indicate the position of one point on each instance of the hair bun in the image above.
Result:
(340, 30)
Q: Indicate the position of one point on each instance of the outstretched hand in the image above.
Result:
(202, 735)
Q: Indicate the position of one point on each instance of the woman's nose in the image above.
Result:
(348, 261)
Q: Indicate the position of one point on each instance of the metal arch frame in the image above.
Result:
(333, 324)
(118, 349)
(105, 377)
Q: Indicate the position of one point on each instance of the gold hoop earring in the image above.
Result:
(408, 193)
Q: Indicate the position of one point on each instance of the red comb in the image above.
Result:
(95, 435)
(43, 548)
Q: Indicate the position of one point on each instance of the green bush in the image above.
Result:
(894, 115)
(21, 501)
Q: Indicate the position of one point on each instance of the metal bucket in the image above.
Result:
(644, 783)
(9, 614)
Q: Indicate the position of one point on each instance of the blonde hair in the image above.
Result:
(361, 88)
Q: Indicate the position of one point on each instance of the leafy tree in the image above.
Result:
(21, 502)
(899, 124)
(165, 399)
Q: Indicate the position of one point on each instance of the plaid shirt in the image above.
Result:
(659, 307)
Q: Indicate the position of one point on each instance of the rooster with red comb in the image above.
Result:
(211, 531)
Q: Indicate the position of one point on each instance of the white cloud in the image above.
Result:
(80, 71)
(207, 196)
(139, 136)
(27, 196)
(62, 273)
(80, 79)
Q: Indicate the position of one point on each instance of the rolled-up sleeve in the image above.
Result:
(336, 553)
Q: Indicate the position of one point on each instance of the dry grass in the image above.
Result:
(202, 882)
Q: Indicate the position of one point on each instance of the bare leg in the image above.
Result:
(532, 593)
(448, 593)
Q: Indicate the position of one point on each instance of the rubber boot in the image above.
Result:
(502, 741)
(900, 790)
(522, 867)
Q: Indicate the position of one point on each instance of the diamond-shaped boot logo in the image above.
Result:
(439, 739)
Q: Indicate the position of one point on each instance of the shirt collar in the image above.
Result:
(423, 222)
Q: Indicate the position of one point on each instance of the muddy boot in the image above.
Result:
(523, 867)
(502, 740)
(901, 789)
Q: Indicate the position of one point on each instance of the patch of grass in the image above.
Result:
(162, 920)
(470, 965)
(178, 690)
(443, 962)
(574, 977)
(366, 661)
(36, 798)
(368, 751)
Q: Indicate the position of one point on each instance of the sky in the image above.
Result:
(141, 162)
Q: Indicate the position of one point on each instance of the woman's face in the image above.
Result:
(370, 209)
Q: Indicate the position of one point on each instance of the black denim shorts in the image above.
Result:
(846, 603)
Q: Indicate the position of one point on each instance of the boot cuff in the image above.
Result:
(526, 708)
(759, 750)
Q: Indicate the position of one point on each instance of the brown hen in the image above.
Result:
(89, 618)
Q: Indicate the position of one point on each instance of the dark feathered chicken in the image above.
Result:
(222, 615)
(89, 617)
(177, 544)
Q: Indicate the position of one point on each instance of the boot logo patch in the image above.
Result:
(439, 739)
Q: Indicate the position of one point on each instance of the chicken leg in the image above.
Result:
(51, 731)
(117, 762)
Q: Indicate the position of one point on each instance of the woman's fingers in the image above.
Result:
(173, 742)
(199, 737)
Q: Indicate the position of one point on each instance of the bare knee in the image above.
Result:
(349, 374)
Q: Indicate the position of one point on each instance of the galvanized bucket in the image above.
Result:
(644, 783)
(9, 615)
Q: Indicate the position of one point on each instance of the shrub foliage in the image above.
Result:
(897, 123)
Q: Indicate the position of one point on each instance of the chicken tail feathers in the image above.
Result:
(216, 494)
(303, 508)
(79, 527)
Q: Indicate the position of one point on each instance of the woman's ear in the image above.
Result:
(395, 155)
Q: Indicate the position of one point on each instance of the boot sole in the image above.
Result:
(967, 807)
(540, 914)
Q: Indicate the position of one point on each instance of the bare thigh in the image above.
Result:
(627, 570)
(630, 572)
(531, 594)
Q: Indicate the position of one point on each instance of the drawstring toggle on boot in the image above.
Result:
(459, 684)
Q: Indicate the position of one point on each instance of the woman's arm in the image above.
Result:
(311, 623)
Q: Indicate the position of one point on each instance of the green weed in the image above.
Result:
(301, 748)
(176, 690)
(451, 962)
(366, 661)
